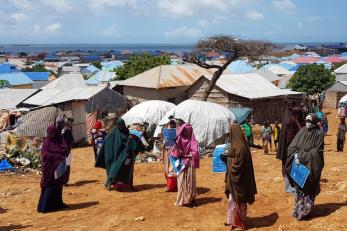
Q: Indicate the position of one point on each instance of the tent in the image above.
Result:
(241, 114)
(210, 121)
(240, 67)
(150, 112)
(343, 99)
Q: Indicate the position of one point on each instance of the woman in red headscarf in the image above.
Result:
(53, 159)
(186, 149)
(98, 135)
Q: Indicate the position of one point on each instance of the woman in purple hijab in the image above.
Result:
(53, 158)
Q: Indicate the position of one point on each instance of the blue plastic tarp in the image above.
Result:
(295, 68)
(5, 166)
(37, 76)
(241, 114)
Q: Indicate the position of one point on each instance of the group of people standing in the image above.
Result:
(300, 142)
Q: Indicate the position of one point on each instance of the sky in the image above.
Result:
(170, 21)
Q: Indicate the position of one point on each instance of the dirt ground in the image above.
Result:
(95, 208)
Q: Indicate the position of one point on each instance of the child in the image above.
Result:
(276, 134)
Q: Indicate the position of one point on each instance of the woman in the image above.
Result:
(170, 176)
(341, 134)
(53, 154)
(307, 148)
(325, 125)
(117, 156)
(98, 137)
(240, 187)
(293, 121)
(187, 149)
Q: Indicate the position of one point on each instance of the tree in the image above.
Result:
(97, 64)
(229, 46)
(4, 84)
(36, 68)
(140, 63)
(311, 79)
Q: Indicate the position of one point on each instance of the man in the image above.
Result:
(247, 127)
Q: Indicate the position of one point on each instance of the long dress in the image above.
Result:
(341, 136)
(53, 153)
(117, 156)
(240, 186)
(186, 148)
(170, 176)
(308, 144)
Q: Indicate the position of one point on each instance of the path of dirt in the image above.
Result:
(94, 208)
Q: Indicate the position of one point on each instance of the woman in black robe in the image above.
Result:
(307, 148)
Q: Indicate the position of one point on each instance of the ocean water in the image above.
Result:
(170, 48)
(37, 48)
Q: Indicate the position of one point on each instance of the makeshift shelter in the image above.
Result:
(277, 70)
(111, 65)
(7, 68)
(17, 80)
(90, 70)
(334, 94)
(70, 69)
(37, 76)
(70, 94)
(10, 98)
(101, 77)
(269, 76)
(240, 67)
(246, 90)
(341, 73)
(210, 121)
(241, 114)
(165, 82)
(36, 122)
(150, 112)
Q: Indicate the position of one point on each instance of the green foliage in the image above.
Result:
(36, 68)
(311, 79)
(97, 64)
(337, 65)
(4, 84)
(140, 63)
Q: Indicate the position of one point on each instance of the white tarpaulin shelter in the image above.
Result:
(150, 112)
(343, 99)
(210, 121)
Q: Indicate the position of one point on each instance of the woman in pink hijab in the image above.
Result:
(187, 150)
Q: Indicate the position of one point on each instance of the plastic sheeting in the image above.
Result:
(150, 112)
(210, 121)
(241, 114)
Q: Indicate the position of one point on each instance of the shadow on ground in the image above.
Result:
(324, 210)
(82, 182)
(262, 222)
(14, 227)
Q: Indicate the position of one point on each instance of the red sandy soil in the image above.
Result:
(95, 208)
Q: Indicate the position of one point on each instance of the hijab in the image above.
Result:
(53, 151)
(239, 178)
(185, 145)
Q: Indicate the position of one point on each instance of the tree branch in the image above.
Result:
(202, 64)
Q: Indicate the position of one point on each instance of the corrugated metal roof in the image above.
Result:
(250, 85)
(277, 69)
(166, 76)
(339, 86)
(71, 69)
(67, 81)
(10, 98)
(37, 76)
(342, 69)
(7, 68)
(268, 75)
(54, 96)
(16, 78)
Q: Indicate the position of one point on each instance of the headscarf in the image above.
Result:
(186, 145)
(98, 125)
(52, 153)
(122, 127)
(239, 178)
(292, 122)
(309, 144)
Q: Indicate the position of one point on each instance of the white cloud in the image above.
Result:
(18, 17)
(60, 6)
(102, 4)
(300, 25)
(21, 4)
(37, 28)
(184, 8)
(110, 31)
(188, 32)
(254, 15)
(203, 22)
(283, 5)
(53, 28)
